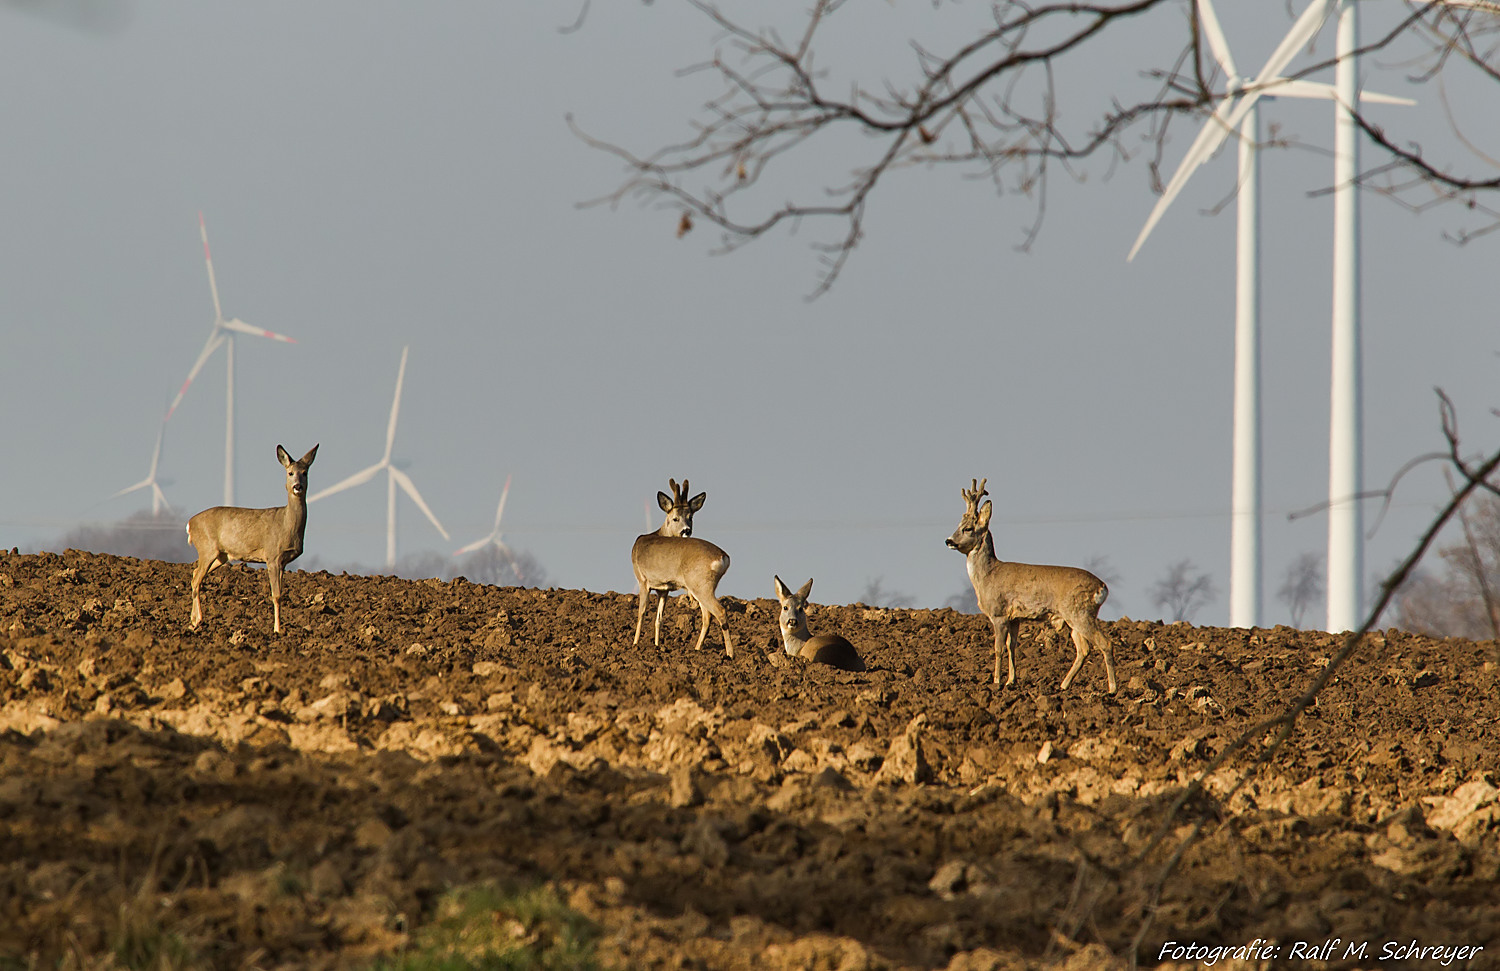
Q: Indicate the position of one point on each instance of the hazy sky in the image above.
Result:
(375, 175)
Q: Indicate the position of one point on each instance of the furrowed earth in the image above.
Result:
(304, 800)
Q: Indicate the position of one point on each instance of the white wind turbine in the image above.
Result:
(222, 333)
(1237, 112)
(1346, 406)
(394, 477)
(494, 536)
(158, 498)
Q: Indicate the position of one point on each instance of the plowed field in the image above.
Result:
(304, 800)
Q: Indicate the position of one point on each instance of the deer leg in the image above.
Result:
(1107, 648)
(1012, 636)
(661, 607)
(273, 570)
(711, 605)
(728, 641)
(640, 612)
(206, 562)
(1081, 645)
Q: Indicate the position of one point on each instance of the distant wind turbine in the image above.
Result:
(158, 498)
(222, 333)
(494, 537)
(1238, 112)
(394, 477)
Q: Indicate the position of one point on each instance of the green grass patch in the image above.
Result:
(487, 928)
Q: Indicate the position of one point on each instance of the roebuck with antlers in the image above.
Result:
(673, 559)
(269, 536)
(1009, 593)
(830, 649)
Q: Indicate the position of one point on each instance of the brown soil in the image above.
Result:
(300, 801)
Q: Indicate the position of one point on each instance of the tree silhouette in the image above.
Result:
(1302, 586)
(1183, 590)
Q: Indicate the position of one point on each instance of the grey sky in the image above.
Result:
(377, 175)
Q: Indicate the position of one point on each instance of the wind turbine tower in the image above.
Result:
(1238, 112)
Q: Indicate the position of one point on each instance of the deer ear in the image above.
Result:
(984, 515)
(664, 501)
(283, 457)
(696, 503)
(312, 453)
(805, 591)
(781, 591)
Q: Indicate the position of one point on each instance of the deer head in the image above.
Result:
(679, 509)
(976, 519)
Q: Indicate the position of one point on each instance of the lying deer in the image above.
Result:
(269, 536)
(830, 649)
(673, 559)
(1009, 593)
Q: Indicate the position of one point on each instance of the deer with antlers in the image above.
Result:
(672, 558)
(1009, 593)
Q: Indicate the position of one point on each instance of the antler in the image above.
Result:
(679, 496)
(972, 496)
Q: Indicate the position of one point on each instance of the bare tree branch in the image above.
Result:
(992, 105)
(1285, 723)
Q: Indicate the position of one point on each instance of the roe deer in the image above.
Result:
(269, 536)
(1009, 593)
(830, 649)
(673, 559)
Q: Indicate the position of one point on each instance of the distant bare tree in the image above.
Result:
(489, 565)
(142, 535)
(502, 568)
(876, 595)
(1458, 600)
(1183, 590)
(966, 601)
(1101, 566)
(795, 132)
(1303, 585)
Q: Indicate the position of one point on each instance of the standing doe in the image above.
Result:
(673, 559)
(1009, 593)
(830, 649)
(269, 536)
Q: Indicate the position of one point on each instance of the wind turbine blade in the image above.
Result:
(404, 481)
(160, 497)
(214, 340)
(208, 259)
(1302, 31)
(510, 558)
(1269, 80)
(156, 452)
(477, 544)
(1216, 41)
(244, 328)
(501, 511)
(1317, 90)
(390, 429)
(494, 536)
(1226, 119)
(357, 479)
(129, 489)
(1210, 137)
(1375, 97)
